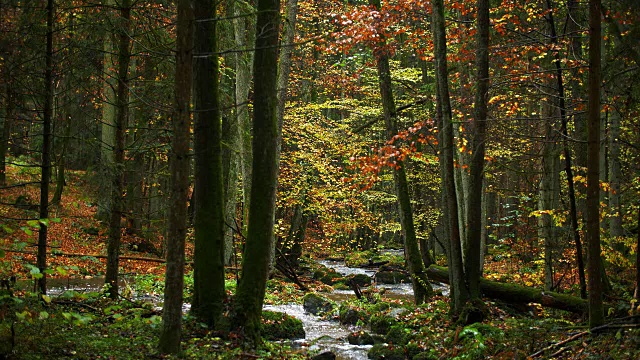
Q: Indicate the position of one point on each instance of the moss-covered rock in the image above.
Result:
(398, 335)
(361, 280)
(392, 277)
(279, 326)
(380, 324)
(316, 304)
(360, 338)
(331, 277)
(426, 355)
(350, 316)
(382, 351)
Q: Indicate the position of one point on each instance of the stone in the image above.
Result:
(316, 304)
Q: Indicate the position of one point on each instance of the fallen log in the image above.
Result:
(518, 294)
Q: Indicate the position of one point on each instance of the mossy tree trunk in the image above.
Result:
(260, 236)
(122, 105)
(518, 294)
(180, 161)
(209, 291)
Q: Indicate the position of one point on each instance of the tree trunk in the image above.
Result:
(596, 315)
(615, 217)
(549, 194)
(209, 291)
(108, 127)
(576, 205)
(478, 144)
(459, 293)
(46, 153)
(517, 294)
(180, 161)
(122, 104)
(421, 287)
(255, 264)
(244, 34)
(6, 116)
(284, 68)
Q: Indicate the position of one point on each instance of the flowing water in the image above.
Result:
(321, 335)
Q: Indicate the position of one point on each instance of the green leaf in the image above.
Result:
(34, 223)
(1, 253)
(55, 220)
(7, 229)
(26, 230)
(44, 222)
(43, 315)
(61, 270)
(46, 299)
(67, 315)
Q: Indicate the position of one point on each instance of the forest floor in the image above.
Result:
(88, 325)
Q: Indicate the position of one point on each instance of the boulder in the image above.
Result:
(316, 304)
(360, 338)
(280, 326)
(327, 355)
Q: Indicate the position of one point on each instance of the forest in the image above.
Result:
(359, 179)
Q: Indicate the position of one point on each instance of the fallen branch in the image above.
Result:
(518, 294)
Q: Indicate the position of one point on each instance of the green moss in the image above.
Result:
(381, 351)
(380, 324)
(398, 335)
(279, 326)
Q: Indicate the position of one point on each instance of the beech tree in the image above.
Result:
(260, 237)
(209, 192)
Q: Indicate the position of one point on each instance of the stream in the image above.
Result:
(321, 335)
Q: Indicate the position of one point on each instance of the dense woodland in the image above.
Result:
(191, 144)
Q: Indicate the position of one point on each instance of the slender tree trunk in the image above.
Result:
(255, 264)
(476, 166)
(209, 291)
(596, 315)
(459, 293)
(122, 104)
(181, 124)
(108, 127)
(575, 211)
(421, 286)
(615, 218)
(284, 68)
(6, 116)
(549, 194)
(244, 34)
(46, 152)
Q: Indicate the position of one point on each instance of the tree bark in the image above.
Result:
(615, 216)
(421, 287)
(517, 294)
(46, 152)
(209, 291)
(255, 264)
(122, 105)
(180, 161)
(244, 34)
(549, 194)
(478, 143)
(459, 293)
(108, 127)
(596, 315)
